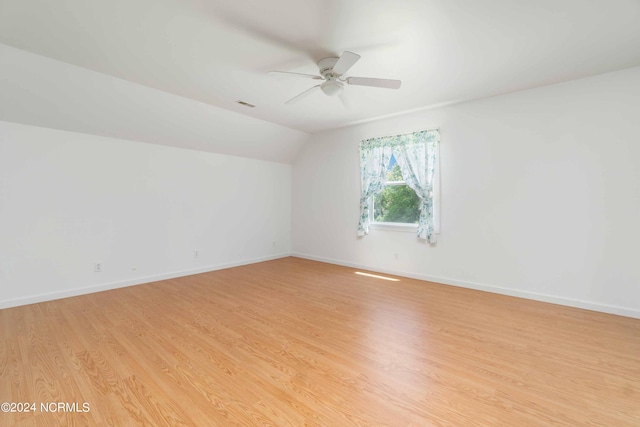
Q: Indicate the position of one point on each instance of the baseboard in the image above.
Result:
(132, 282)
(587, 305)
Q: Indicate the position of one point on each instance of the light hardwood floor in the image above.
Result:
(297, 342)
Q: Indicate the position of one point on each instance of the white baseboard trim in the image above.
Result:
(587, 305)
(132, 282)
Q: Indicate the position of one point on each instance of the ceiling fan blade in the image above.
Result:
(310, 76)
(302, 95)
(368, 81)
(345, 62)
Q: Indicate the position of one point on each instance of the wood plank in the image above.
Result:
(295, 342)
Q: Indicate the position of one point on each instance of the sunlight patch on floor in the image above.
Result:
(377, 276)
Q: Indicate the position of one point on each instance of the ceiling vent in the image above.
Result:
(246, 104)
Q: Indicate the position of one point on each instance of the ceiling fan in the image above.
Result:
(332, 71)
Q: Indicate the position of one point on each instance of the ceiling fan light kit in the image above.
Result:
(332, 87)
(331, 71)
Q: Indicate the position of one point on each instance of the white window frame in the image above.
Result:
(404, 227)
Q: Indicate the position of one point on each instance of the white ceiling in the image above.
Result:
(219, 51)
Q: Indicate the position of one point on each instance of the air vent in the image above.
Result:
(246, 104)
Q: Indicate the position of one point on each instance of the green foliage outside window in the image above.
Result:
(398, 203)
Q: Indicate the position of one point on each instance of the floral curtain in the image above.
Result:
(374, 158)
(416, 154)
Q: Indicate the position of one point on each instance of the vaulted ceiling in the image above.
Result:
(219, 51)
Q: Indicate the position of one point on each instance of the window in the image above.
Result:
(399, 183)
(397, 203)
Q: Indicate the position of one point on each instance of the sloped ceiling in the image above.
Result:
(43, 92)
(217, 52)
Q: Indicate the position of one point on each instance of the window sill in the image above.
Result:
(394, 226)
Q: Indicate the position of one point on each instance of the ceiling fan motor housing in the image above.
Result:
(332, 86)
(326, 66)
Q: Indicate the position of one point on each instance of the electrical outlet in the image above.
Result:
(273, 244)
(196, 254)
(97, 267)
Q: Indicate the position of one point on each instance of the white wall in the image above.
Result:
(68, 200)
(540, 196)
